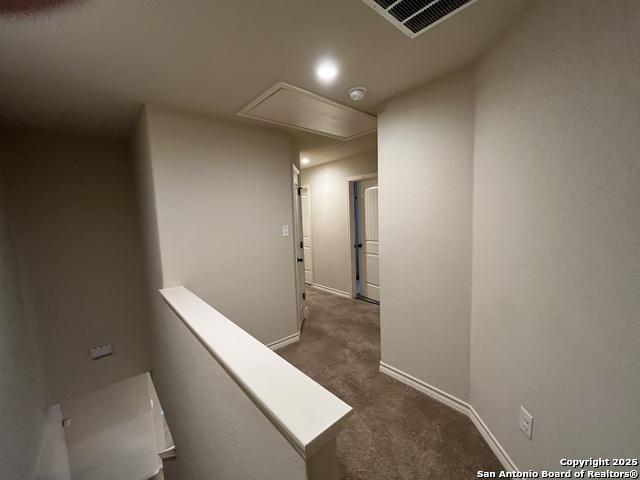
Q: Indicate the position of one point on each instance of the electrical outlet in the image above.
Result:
(100, 351)
(525, 422)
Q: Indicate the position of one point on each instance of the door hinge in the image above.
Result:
(299, 190)
(357, 277)
(301, 245)
(304, 296)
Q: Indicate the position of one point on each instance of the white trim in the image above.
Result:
(492, 441)
(335, 291)
(430, 390)
(283, 342)
(457, 404)
(248, 362)
(246, 110)
(350, 227)
(297, 237)
(313, 269)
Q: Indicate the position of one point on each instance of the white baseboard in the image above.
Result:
(492, 441)
(283, 342)
(335, 291)
(457, 404)
(425, 388)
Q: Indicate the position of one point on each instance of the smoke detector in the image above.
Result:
(357, 93)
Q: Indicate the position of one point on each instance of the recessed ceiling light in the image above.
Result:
(327, 71)
(305, 160)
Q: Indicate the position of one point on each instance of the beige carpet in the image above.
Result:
(395, 432)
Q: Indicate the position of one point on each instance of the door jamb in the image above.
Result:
(300, 314)
(351, 226)
(307, 187)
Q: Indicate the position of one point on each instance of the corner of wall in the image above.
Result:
(426, 147)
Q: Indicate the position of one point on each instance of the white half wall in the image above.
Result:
(425, 148)
(329, 222)
(219, 432)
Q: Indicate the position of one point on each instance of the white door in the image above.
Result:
(298, 247)
(368, 204)
(305, 200)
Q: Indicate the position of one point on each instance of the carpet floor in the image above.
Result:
(395, 432)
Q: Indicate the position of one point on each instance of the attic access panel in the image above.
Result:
(414, 17)
(294, 107)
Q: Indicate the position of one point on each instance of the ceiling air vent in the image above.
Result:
(415, 17)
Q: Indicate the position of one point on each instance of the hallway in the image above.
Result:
(395, 432)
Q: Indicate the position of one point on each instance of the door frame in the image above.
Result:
(307, 187)
(297, 250)
(349, 181)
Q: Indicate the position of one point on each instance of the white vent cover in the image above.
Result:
(415, 17)
(284, 104)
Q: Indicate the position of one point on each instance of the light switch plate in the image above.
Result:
(285, 230)
(102, 350)
(525, 422)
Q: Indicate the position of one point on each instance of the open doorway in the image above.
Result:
(364, 244)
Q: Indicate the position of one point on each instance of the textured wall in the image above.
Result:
(53, 461)
(222, 194)
(329, 227)
(556, 232)
(219, 431)
(214, 197)
(425, 148)
(21, 394)
(71, 204)
(556, 274)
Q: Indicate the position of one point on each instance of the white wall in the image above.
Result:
(71, 205)
(556, 232)
(222, 194)
(21, 392)
(329, 224)
(219, 432)
(556, 292)
(53, 460)
(214, 196)
(425, 148)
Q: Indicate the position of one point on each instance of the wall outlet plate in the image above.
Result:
(525, 422)
(102, 350)
(285, 230)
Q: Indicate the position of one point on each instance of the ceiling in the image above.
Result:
(88, 66)
(321, 150)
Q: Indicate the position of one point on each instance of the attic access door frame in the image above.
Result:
(294, 107)
(351, 227)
